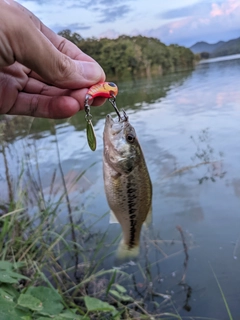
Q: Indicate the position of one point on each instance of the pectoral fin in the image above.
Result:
(112, 218)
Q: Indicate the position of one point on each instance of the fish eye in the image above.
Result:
(111, 84)
(130, 138)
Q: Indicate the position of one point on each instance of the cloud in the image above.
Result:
(81, 4)
(205, 20)
(113, 13)
(113, 34)
(88, 4)
(40, 2)
(110, 34)
(220, 22)
(107, 12)
(224, 9)
(73, 27)
(196, 9)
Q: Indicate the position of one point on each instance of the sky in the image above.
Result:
(182, 22)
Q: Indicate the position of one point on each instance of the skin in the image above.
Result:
(41, 73)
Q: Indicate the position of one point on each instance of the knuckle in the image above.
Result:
(64, 66)
(33, 106)
(6, 98)
(62, 45)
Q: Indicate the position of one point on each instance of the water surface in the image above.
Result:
(189, 127)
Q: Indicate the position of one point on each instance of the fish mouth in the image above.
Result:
(121, 119)
(114, 126)
(109, 120)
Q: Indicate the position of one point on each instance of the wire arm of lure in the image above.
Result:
(112, 100)
(125, 115)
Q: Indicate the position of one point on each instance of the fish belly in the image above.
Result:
(129, 198)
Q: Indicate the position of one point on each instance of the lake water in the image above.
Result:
(188, 125)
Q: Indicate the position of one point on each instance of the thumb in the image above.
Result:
(64, 67)
(55, 67)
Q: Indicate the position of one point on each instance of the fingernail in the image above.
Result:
(92, 71)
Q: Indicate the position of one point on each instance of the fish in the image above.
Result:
(127, 183)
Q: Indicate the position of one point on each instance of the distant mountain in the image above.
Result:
(205, 47)
(227, 48)
(221, 48)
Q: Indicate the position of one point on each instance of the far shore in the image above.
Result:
(223, 58)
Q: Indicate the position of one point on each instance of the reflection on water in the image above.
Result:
(188, 127)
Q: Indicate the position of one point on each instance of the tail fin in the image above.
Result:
(126, 254)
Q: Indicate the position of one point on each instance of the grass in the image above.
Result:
(42, 255)
(222, 294)
(66, 257)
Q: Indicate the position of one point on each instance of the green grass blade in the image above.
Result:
(222, 293)
(112, 280)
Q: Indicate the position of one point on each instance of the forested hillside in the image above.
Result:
(221, 48)
(203, 46)
(227, 48)
(133, 56)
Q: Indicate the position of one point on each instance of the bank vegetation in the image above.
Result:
(136, 56)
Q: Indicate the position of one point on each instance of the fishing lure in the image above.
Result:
(104, 89)
(107, 90)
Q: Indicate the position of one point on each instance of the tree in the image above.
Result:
(133, 56)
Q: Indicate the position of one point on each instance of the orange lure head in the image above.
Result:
(104, 89)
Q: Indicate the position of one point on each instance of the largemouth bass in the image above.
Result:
(127, 183)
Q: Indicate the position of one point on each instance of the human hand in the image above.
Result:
(41, 73)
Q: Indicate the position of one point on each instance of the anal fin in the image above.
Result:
(112, 218)
(148, 221)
